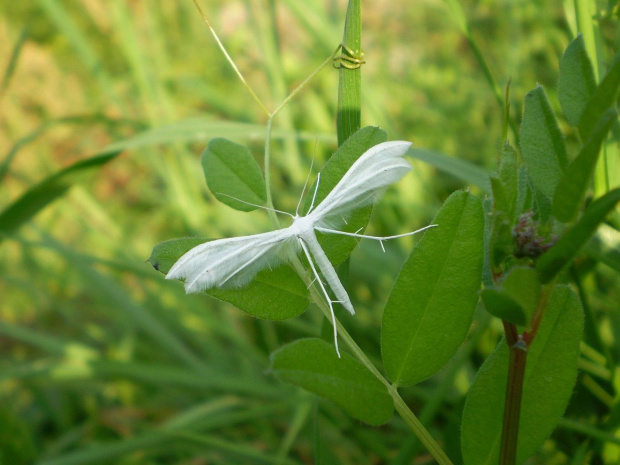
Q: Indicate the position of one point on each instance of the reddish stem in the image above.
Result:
(514, 391)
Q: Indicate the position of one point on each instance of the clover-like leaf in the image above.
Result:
(231, 171)
(314, 365)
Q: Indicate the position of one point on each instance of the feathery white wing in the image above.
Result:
(234, 262)
(230, 262)
(373, 172)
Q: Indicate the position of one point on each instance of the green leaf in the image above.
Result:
(276, 294)
(314, 365)
(48, 190)
(338, 248)
(524, 191)
(604, 98)
(571, 190)
(502, 219)
(571, 242)
(501, 242)
(576, 82)
(541, 204)
(430, 309)
(231, 171)
(204, 129)
(523, 286)
(460, 169)
(509, 176)
(487, 271)
(500, 197)
(516, 298)
(542, 143)
(550, 374)
(502, 306)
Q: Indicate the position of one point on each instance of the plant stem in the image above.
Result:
(418, 429)
(514, 391)
(349, 121)
(399, 404)
(349, 115)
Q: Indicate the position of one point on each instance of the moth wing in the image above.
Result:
(230, 263)
(367, 178)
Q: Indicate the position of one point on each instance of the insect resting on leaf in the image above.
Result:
(235, 261)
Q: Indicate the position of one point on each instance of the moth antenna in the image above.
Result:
(316, 189)
(381, 242)
(255, 205)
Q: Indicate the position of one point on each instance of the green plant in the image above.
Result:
(534, 231)
(106, 362)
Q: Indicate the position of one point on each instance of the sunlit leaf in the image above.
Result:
(231, 171)
(276, 294)
(430, 309)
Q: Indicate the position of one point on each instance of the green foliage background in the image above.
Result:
(101, 358)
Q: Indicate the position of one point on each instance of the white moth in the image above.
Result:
(235, 261)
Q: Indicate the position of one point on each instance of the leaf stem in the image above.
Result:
(399, 404)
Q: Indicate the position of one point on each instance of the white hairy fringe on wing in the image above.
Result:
(367, 178)
(229, 263)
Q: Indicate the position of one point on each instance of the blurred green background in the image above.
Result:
(102, 360)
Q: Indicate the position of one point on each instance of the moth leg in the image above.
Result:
(376, 238)
(329, 301)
